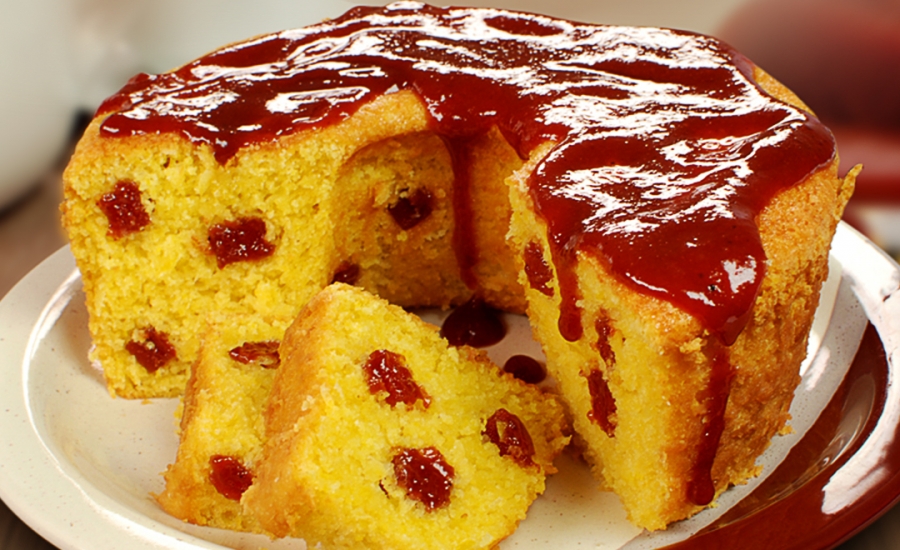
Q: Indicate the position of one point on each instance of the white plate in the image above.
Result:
(79, 466)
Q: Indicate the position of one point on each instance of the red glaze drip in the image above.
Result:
(509, 434)
(665, 151)
(525, 368)
(347, 273)
(264, 354)
(154, 351)
(386, 372)
(124, 210)
(474, 324)
(460, 149)
(425, 475)
(239, 240)
(537, 269)
(701, 487)
(229, 476)
(603, 404)
(604, 329)
(411, 209)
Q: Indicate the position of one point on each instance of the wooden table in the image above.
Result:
(30, 231)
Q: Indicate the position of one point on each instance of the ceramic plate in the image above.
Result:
(80, 467)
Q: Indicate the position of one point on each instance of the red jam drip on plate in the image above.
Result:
(264, 354)
(509, 434)
(154, 351)
(537, 270)
(230, 478)
(425, 476)
(664, 153)
(525, 368)
(124, 210)
(239, 240)
(701, 486)
(386, 372)
(603, 404)
(412, 208)
(474, 324)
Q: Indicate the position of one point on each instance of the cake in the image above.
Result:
(669, 410)
(669, 208)
(380, 434)
(222, 429)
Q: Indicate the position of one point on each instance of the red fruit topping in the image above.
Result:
(509, 434)
(425, 475)
(154, 351)
(239, 240)
(229, 476)
(264, 354)
(124, 210)
(412, 208)
(603, 404)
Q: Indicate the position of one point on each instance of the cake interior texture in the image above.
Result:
(675, 333)
(382, 435)
(222, 429)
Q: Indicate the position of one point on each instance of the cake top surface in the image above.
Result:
(665, 148)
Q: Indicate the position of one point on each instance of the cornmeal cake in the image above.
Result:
(222, 427)
(382, 435)
(669, 208)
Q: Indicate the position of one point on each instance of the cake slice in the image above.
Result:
(670, 409)
(382, 435)
(222, 427)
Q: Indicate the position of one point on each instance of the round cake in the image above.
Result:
(660, 207)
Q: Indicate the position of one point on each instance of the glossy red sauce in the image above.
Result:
(665, 150)
(264, 354)
(701, 487)
(412, 209)
(154, 351)
(124, 210)
(603, 404)
(537, 270)
(525, 368)
(460, 148)
(229, 476)
(239, 240)
(509, 434)
(425, 476)
(475, 324)
(386, 371)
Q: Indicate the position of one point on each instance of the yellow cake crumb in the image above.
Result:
(329, 473)
(222, 419)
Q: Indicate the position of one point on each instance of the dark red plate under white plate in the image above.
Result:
(79, 466)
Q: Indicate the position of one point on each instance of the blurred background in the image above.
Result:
(60, 58)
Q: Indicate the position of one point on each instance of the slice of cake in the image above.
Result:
(222, 426)
(382, 435)
(671, 404)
